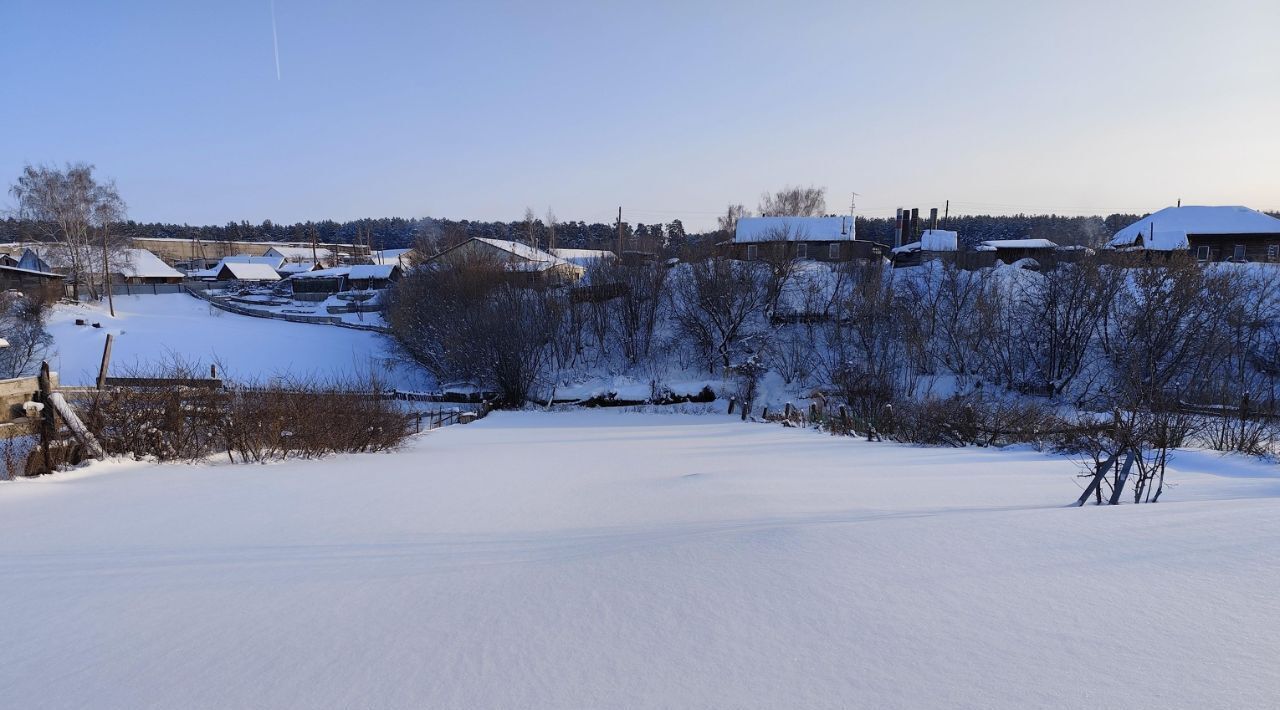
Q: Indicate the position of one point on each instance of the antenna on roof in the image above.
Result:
(853, 204)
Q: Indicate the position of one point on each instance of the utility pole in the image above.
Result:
(946, 212)
(619, 232)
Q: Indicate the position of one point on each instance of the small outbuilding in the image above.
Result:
(1012, 250)
(142, 267)
(45, 283)
(242, 271)
(934, 244)
(320, 284)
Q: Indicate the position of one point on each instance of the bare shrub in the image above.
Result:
(178, 420)
(719, 306)
(469, 322)
(971, 420)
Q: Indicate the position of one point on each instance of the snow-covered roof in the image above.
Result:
(525, 252)
(296, 267)
(994, 244)
(336, 272)
(1173, 224)
(907, 248)
(294, 253)
(34, 272)
(371, 271)
(143, 264)
(389, 256)
(242, 271)
(793, 229)
(272, 261)
(583, 257)
(939, 240)
(357, 271)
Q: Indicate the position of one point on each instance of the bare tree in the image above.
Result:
(69, 209)
(716, 304)
(728, 222)
(865, 359)
(22, 326)
(467, 322)
(551, 229)
(794, 201)
(530, 224)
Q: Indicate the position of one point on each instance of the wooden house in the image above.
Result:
(142, 267)
(523, 264)
(1210, 233)
(810, 238)
(46, 284)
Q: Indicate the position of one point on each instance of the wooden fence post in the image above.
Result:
(106, 360)
(48, 425)
(732, 402)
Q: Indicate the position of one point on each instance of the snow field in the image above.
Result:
(151, 329)
(602, 559)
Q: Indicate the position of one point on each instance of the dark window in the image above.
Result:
(1239, 253)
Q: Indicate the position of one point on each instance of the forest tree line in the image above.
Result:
(669, 239)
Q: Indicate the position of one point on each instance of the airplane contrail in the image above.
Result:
(275, 40)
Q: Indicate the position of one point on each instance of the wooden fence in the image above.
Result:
(13, 394)
(439, 418)
(291, 317)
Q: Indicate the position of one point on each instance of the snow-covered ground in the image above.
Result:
(604, 559)
(150, 329)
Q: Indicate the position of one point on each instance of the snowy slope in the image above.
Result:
(608, 560)
(150, 328)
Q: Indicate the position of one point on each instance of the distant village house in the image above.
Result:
(1210, 233)
(812, 238)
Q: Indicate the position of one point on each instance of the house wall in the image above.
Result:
(316, 289)
(848, 250)
(1262, 248)
(47, 287)
(137, 280)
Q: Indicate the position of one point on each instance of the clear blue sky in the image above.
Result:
(479, 109)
